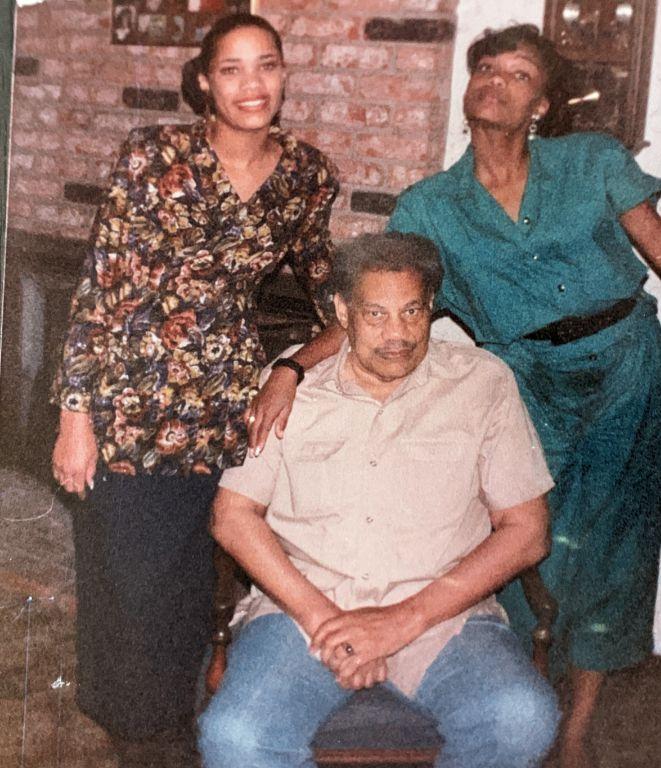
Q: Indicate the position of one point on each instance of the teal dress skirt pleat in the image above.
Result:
(596, 404)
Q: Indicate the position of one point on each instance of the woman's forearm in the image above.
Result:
(272, 405)
(324, 345)
(643, 225)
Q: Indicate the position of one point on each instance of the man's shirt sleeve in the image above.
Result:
(511, 463)
(257, 477)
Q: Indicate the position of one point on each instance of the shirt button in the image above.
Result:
(592, 357)
(365, 576)
(369, 519)
(562, 288)
(373, 463)
(379, 412)
(526, 220)
(535, 257)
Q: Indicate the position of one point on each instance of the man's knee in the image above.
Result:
(228, 739)
(524, 718)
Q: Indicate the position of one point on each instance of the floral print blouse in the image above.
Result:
(162, 347)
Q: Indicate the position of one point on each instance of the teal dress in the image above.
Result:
(596, 402)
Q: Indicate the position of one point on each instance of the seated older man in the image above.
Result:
(408, 487)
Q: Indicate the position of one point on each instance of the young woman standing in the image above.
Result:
(162, 358)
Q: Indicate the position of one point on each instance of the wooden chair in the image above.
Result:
(375, 728)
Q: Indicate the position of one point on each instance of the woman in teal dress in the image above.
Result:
(536, 238)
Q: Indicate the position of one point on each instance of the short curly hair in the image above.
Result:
(386, 252)
(557, 69)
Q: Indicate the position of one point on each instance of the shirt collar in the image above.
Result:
(465, 179)
(331, 377)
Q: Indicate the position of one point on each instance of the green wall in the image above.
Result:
(7, 10)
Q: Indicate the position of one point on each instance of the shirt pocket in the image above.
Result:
(440, 480)
(321, 480)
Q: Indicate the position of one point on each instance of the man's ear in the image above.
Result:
(341, 311)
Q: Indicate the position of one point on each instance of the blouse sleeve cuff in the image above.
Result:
(70, 399)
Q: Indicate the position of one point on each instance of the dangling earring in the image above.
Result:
(533, 127)
(209, 114)
(465, 126)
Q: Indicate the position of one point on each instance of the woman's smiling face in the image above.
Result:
(245, 79)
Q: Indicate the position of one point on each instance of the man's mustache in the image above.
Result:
(398, 346)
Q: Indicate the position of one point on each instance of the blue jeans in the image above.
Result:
(492, 708)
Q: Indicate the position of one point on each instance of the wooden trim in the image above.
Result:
(7, 20)
(375, 756)
(641, 68)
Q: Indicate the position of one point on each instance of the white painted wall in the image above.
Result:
(473, 16)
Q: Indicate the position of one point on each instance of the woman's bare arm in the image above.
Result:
(643, 225)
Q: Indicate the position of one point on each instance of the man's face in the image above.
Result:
(387, 321)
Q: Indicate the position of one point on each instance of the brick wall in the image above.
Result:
(368, 83)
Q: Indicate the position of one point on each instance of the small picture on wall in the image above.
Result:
(168, 22)
(124, 19)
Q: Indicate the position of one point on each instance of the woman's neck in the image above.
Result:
(498, 157)
(239, 148)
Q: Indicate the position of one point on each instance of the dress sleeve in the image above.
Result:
(119, 233)
(626, 184)
(311, 252)
(404, 217)
(511, 462)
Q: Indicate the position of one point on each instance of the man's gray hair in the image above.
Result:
(387, 252)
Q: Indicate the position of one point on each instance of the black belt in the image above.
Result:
(573, 328)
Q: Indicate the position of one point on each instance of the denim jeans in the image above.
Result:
(492, 707)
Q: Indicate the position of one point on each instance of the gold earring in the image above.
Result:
(209, 113)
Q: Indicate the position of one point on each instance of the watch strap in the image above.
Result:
(287, 362)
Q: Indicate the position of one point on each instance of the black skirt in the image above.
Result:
(145, 581)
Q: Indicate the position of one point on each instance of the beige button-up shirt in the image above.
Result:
(373, 501)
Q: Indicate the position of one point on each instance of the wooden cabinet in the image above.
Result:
(609, 43)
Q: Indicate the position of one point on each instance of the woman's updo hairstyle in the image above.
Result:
(194, 96)
(556, 68)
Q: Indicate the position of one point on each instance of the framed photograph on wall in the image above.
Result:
(168, 22)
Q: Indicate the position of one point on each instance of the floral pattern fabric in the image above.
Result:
(162, 348)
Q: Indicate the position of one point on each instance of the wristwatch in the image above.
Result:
(287, 362)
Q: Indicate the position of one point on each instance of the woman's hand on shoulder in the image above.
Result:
(272, 405)
(75, 454)
(270, 408)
